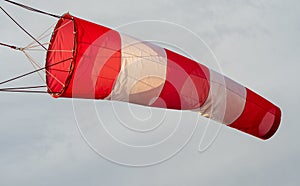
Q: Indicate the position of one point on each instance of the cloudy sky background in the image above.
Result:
(256, 43)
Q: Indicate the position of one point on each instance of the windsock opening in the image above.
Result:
(60, 56)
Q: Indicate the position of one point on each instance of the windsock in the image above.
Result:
(86, 60)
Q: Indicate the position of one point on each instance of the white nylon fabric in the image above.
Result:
(143, 72)
(226, 99)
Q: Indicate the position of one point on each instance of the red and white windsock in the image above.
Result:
(86, 60)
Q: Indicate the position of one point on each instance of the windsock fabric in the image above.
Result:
(90, 61)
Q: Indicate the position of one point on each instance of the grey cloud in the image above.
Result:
(257, 44)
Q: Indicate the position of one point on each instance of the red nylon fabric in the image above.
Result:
(260, 118)
(187, 84)
(96, 62)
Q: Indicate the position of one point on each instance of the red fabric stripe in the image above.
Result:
(97, 63)
(260, 118)
(186, 80)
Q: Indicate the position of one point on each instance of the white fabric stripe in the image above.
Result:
(143, 72)
(226, 99)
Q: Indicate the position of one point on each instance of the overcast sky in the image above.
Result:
(256, 43)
